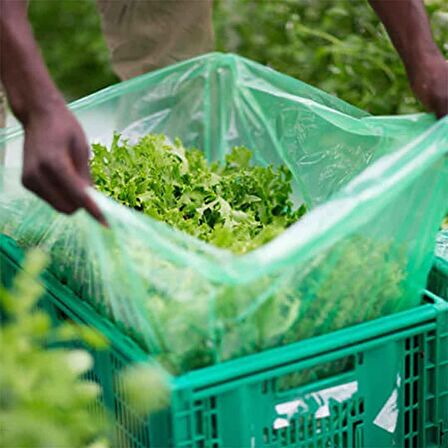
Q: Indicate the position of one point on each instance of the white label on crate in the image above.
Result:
(281, 423)
(320, 398)
(388, 416)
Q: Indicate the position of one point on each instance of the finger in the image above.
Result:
(441, 107)
(79, 152)
(90, 206)
(80, 156)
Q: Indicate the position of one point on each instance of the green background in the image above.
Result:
(336, 45)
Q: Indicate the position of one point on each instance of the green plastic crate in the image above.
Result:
(438, 278)
(343, 386)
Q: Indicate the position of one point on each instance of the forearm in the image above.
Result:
(23, 73)
(408, 26)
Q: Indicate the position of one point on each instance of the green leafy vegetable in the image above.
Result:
(233, 205)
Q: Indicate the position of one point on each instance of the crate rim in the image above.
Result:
(370, 334)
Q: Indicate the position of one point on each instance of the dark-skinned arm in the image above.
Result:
(408, 26)
(56, 152)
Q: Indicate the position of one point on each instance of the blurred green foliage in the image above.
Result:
(72, 44)
(44, 399)
(337, 45)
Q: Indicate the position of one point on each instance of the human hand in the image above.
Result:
(56, 161)
(429, 81)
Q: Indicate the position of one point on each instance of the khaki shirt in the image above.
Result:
(143, 35)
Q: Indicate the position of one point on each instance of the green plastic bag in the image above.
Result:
(376, 188)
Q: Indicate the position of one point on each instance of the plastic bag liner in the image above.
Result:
(376, 187)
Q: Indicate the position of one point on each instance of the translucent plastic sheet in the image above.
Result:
(377, 188)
